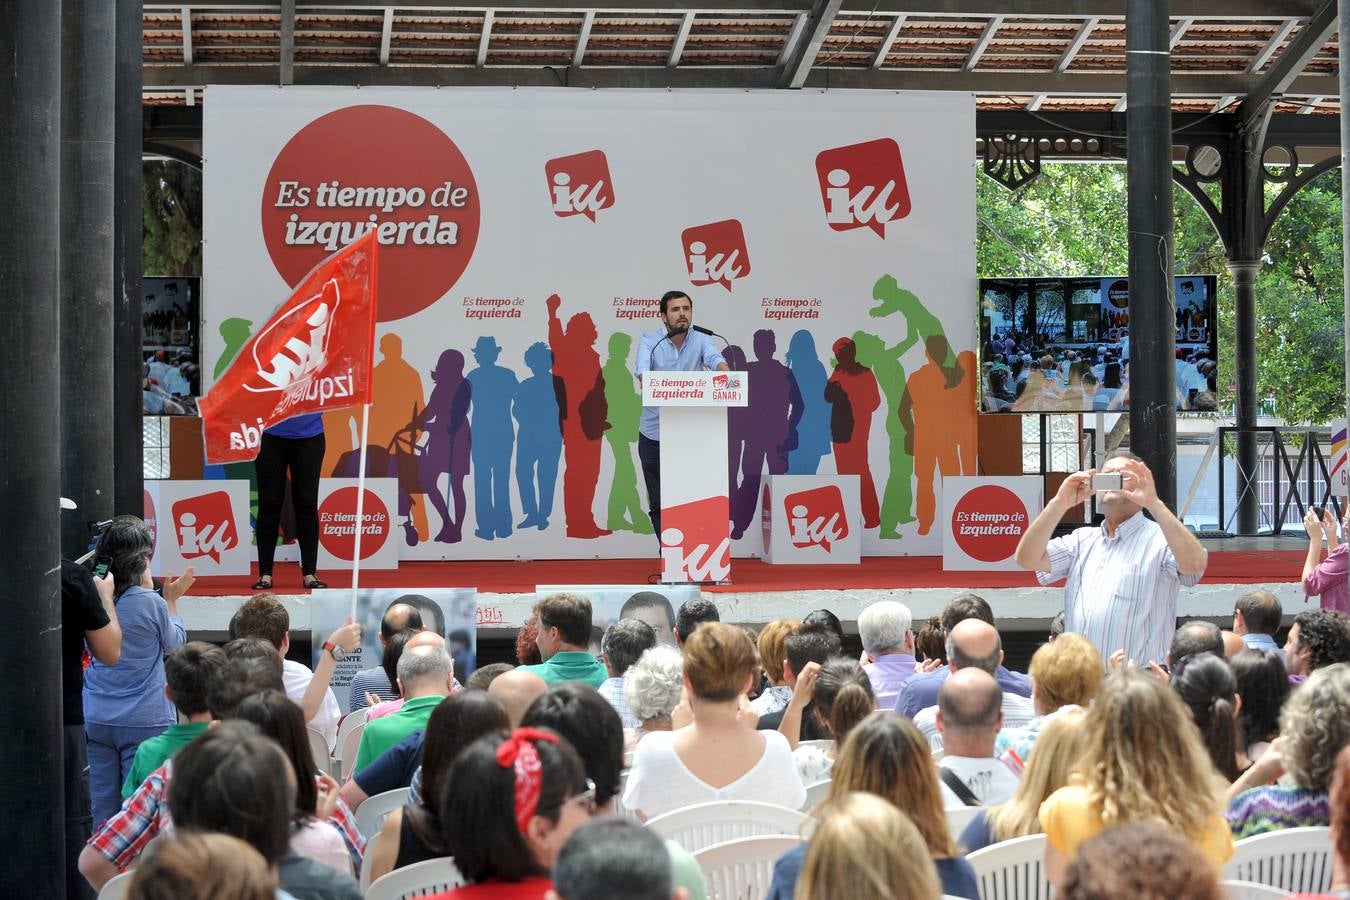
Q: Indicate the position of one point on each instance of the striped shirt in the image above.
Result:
(1121, 591)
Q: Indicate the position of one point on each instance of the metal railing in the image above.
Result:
(1291, 475)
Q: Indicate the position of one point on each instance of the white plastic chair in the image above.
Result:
(1292, 859)
(742, 868)
(418, 880)
(318, 748)
(372, 812)
(115, 888)
(1012, 870)
(347, 745)
(823, 745)
(958, 817)
(816, 793)
(371, 841)
(1250, 890)
(705, 824)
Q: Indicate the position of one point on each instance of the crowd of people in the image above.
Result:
(1138, 761)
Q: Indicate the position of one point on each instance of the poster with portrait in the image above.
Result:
(654, 604)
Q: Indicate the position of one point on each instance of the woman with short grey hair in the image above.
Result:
(652, 687)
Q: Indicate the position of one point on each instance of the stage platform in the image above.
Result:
(760, 592)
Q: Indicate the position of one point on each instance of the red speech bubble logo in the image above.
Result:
(716, 253)
(816, 518)
(204, 526)
(148, 516)
(696, 541)
(988, 522)
(337, 524)
(580, 184)
(364, 167)
(863, 185)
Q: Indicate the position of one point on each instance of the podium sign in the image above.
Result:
(695, 500)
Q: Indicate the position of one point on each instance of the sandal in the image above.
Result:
(264, 583)
(312, 583)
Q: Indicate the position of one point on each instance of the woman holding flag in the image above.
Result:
(295, 445)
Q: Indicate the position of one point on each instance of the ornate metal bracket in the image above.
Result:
(1011, 160)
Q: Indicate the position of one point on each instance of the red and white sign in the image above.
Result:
(814, 519)
(580, 184)
(983, 519)
(716, 253)
(695, 389)
(337, 524)
(695, 541)
(863, 185)
(314, 354)
(206, 526)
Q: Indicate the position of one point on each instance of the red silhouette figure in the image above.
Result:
(941, 429)
(853, 396)
(577, 363)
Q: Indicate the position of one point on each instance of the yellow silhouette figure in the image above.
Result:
(941, 428)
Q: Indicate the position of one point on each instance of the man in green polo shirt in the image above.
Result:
(424, 678)
(186, 672)
(564, 635)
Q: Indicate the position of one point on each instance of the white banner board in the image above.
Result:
(203, 524)
(983, 519)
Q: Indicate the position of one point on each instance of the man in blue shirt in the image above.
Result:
(1256, 617)
(676, 347)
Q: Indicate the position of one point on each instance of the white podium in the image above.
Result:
(695, 505)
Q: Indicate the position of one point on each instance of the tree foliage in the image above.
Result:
(171, 212)
(1072, 221)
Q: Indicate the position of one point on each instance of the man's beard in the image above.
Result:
(678, 329)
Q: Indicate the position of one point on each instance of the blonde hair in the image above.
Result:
(888, 756)
(1315, 723)
(718, 661)
(198, 866)
(1058, 748)
(866, 849)
(1144, 759)
(773, 647)
(1067, 671)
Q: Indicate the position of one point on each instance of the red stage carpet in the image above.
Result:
(748, 575)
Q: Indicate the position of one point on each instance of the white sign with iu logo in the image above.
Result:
(203, 524)
(813, 519)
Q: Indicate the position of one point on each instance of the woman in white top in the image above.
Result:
(716, 757)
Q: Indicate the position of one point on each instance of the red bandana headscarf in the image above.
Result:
(518, 752)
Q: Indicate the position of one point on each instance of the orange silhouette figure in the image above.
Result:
(853, 396)
(339, 439)
(577, 363)
(396, 398)
(940, 423)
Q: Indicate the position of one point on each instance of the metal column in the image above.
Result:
(1152, 305)
(87, 50)
(1343, 7)
(31, 796)
(1244, 316)
(125, 427)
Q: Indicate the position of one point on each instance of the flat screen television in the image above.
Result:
(1062, 345)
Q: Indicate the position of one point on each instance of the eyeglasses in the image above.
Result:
(586, 799)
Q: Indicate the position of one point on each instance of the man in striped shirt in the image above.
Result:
(1122, 577)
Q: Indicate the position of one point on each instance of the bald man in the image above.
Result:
(516, 690)
(968, 718)
(399, 617)
(975, 644)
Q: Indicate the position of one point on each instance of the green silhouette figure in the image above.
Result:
(897, 499)
(625, 410)
(922, 324)
(236, 333)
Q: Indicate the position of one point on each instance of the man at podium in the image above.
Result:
(679, 346)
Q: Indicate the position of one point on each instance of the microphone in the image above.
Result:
(708, 331)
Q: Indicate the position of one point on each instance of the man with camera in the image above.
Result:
(1123, 576)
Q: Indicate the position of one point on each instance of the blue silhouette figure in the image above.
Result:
(539, 402)
(446, 422)
(813, 429)
(494, 387)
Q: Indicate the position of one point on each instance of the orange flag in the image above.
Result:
(315, 354)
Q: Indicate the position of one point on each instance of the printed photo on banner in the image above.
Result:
(449, 612)
(654, 604)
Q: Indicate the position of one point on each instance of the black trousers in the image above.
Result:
(303, 457)
(649, 454)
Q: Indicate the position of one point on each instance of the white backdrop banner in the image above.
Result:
(526, 236)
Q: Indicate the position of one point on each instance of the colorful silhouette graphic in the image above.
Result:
(921, 323)
(853, 396)
(578, 365)
(446, 422)
(897, 499)
(738, 427)
(395, 403)
(774, 411)
(625, 512)
(813, 429)
(538, 406)
(493, 389)
(940, 423)
(235, 332)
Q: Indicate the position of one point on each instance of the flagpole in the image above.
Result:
(360, 505)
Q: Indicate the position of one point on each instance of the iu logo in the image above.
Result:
(863, 185)
(724, 381)
(696, 541)
(816, 517)
(288, 366)
(715, 253)
(580, 184)
(204, 526)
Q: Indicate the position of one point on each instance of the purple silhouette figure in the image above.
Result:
(446, 421)
(773, 415)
